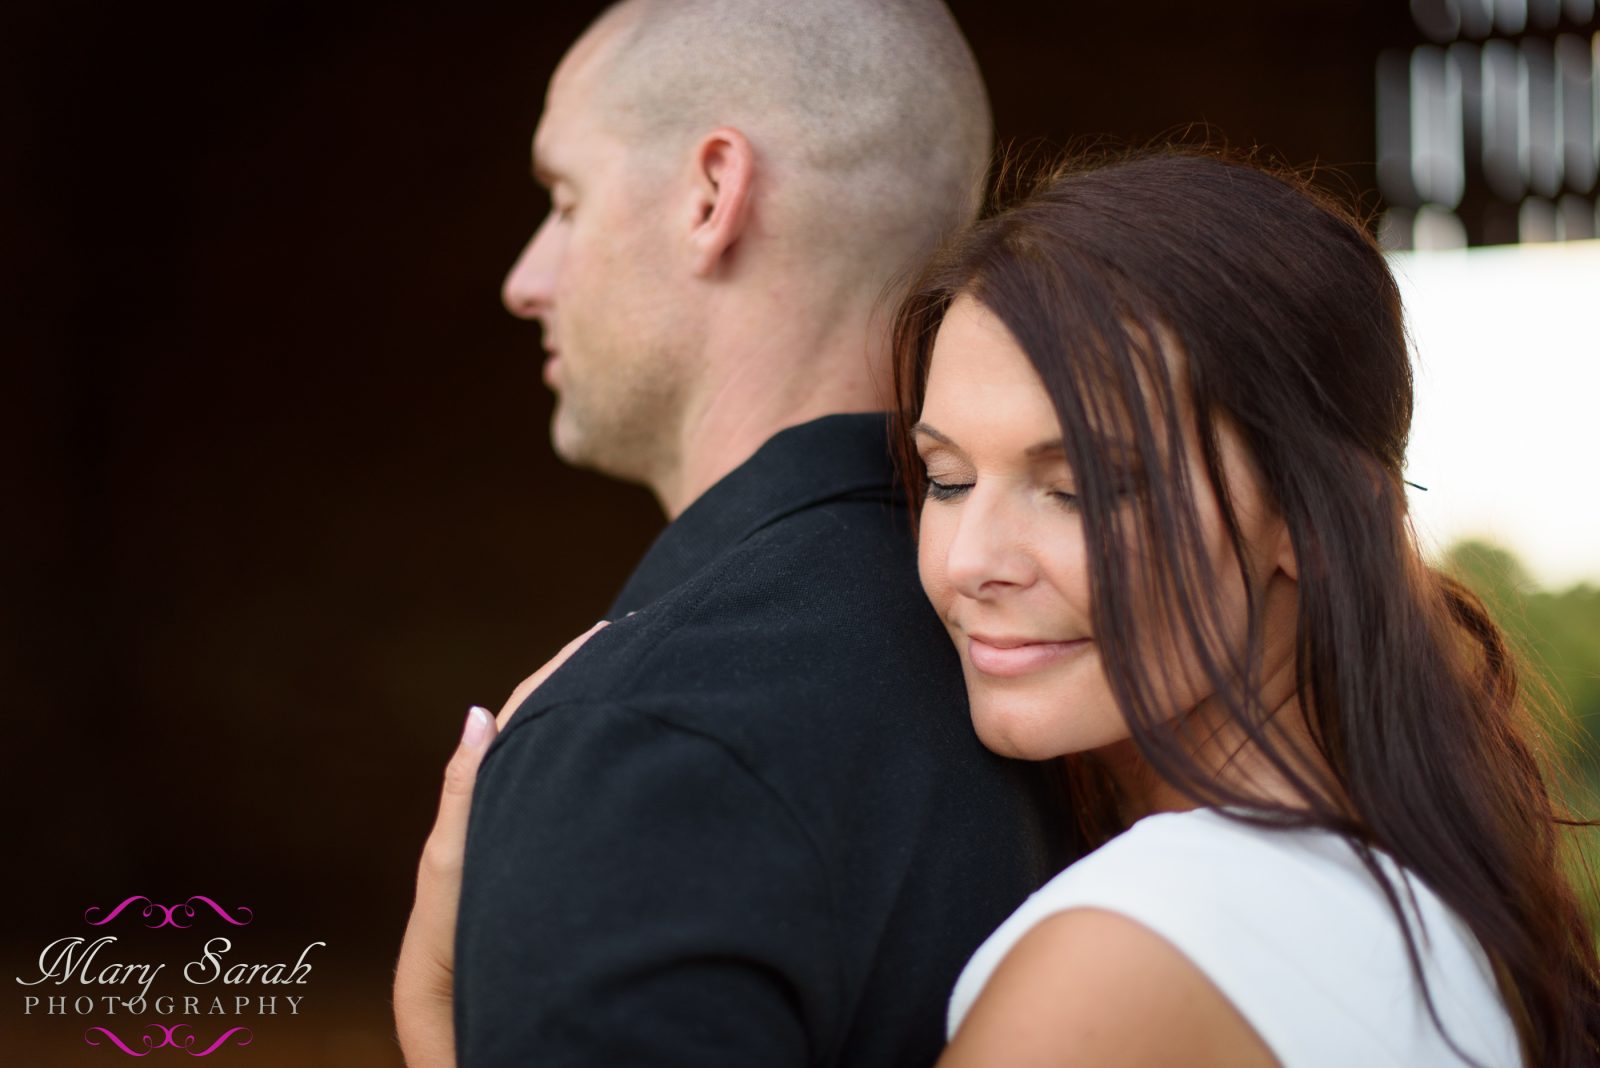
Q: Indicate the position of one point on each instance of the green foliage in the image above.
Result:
(1558, 637)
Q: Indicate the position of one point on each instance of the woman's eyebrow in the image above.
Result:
(1046, 448)
(1055, 446)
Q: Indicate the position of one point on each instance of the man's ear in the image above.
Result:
(724, 171)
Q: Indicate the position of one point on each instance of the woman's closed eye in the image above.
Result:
(946, 491)
(1067, 500)
(949, 491)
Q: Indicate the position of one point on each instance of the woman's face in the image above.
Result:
(1003, 558)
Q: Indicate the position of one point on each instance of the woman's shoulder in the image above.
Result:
(1293, 930)
(1092, 987)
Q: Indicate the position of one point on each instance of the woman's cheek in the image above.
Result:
(932, 544)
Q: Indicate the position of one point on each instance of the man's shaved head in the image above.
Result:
(736, 186)
(869, 116)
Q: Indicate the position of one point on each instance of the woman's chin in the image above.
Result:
(1043, 728)
(1007, 745)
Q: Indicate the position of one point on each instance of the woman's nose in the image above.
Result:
(989, 551)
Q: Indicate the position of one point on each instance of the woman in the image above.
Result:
(1156, 413)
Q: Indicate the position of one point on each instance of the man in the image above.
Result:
(747, 823)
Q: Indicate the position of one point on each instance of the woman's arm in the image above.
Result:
(1091, 987)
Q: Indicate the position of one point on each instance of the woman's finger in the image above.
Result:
(442, 853)
(425, 971)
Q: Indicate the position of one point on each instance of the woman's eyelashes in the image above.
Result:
(949, 491)
(946, 491)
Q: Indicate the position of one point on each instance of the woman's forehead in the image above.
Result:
(978, 371)
(980, 380)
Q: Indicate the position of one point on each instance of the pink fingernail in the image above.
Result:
(477, 728)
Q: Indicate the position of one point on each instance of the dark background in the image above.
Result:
(279, 502)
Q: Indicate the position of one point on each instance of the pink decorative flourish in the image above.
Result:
(117, 911)
(149, 1043)
(229, 1033)
(169, 1037)
(168, 912)
(219, 910)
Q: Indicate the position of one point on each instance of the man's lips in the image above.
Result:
(1007, 657)
(547, 372)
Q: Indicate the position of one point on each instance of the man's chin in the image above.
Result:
(576, 447)
(606, 450)
(566, 441)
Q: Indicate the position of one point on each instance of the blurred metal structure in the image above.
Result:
(1488, 128)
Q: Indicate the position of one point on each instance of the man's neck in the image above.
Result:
(762, 387)
(716, 445)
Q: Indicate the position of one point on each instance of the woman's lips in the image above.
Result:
(1011, 657)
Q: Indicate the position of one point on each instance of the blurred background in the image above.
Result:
(280, 503)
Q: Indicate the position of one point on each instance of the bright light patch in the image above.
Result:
(1506, 434)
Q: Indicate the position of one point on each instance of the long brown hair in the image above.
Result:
(1289, 325)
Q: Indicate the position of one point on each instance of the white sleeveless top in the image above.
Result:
(1293, 931)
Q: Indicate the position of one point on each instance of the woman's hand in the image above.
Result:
(425, 974)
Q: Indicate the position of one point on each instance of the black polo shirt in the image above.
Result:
(749, 824)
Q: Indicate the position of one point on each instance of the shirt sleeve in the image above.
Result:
(635, 894)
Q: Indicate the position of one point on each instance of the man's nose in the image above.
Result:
(990, 550)
(530, 286)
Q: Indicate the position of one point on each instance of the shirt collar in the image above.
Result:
(797, 468)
